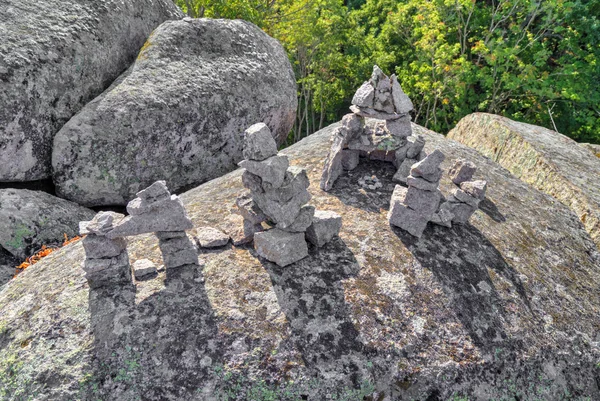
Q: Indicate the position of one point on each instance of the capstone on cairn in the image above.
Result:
(278, 196)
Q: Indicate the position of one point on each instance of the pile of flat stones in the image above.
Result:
(155, 210)
(362, 133)
(278, 197)
(422, 202)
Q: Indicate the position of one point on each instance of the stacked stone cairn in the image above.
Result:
(278, 197)
(155, 210)
(413, 207)
(464, 199)
(363, 133)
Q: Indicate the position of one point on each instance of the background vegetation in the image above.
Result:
(536, 61)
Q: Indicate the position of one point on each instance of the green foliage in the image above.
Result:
(531, 60)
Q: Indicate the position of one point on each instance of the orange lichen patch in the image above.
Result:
(43, 252)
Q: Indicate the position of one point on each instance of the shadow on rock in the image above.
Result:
(459, 258)
(311, 295)
(159, 349)
(488, 207)
(349, 191)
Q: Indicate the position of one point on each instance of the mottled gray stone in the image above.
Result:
(461, 211)
(333, 163)
(295, 182)
(56, 56)
(143, 268)
(259, 143)
(416, 146)
(241, 230)
(429, 167)
(462, 196)
(402, 102)
(403, 217)
(252, 181)
(166, 216)
(170, 234)
(364, 95)
(302, 222)
(139, 206)
(350, 159)
(98, 247)
(420, 183)
(281, 247)
(352, 126)
(178, 252)
(108, 272)
(271, 170)
(102, 223)
(249, 210)
(209, 237)
(383, 99)
(400, 127)
(178, 114)
(462, 171)
(326, 225)
(442, 218)
(401, 155)
(425, 202)
(372, 113)
(282, 213)
(155, 192)
(404, 170)
(476, 189)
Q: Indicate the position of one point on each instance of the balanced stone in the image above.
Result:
(333, 163)
(426, 202)
(462, 171)
(296, 181)
(241, 230)
(271, 170)
(324, 227)
(404, 217)
(302, 222)
(209, 237)
(249, 210)
(143, 268)
(429, 167)
(102, 223)
(178, 252)
(416, 146)
(98, 247)
(443, 217)
(281, 247)
(372, 113)
(404, 170)
(169, 215)
(350, 159)
(283, 214)
(476, 189)
(364, 95)
(154, 192)
(259, 143)
(252, 181)
(460, 196)
(400, 127)
(351, 125)
(110, 271)
(402, 102)
(461, 211)
(420, 183)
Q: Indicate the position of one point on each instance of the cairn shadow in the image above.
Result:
(460, 258)
(311, 295)
(488, 207)
(161, 348)
(347, 189)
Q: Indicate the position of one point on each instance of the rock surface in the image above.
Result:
(550, 161)
(503, 307)
(30, 219)
(56, 56)
(179, 114)
(594, 148)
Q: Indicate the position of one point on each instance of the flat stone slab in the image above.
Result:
(403, 217)
(325, 225)
(178, 252)
(109, 271)
(462, 196)
(98, 247)
(420, 183)
(425, 202)
(372, 113)
(154, 192)
(271, 170)
(209, 237)
(102, 223)
(333, 167)
(476, 189)
(281, 247)
(143, 268)
(259, 143)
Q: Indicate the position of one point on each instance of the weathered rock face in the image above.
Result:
(503, 307)
(592, 147)
(550, 161)
(55, 56)
(180, 113)
(30, 219)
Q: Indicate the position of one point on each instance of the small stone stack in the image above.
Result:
(413, 207)
(464, 200)
(106, 260)
(380, 98)
(278, 195)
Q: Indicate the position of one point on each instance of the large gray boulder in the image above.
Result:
(30, 219)
(551, 162)
(56, 56)
(504, 307)
(180, 113)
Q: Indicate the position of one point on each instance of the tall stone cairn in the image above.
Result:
(278, 194)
